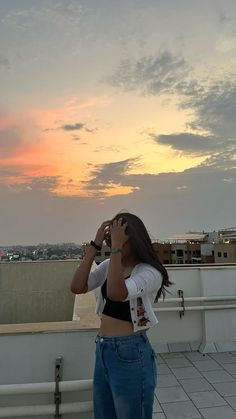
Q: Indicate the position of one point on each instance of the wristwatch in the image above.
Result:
(116, 249)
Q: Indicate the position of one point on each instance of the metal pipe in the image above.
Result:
(78, 407)
(192, 308)
(24, 411)
(216, 298)
(42, 410)
(38, 388)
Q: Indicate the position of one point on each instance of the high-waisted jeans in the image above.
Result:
(125, 377)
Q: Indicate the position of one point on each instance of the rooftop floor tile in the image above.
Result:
(192, 385)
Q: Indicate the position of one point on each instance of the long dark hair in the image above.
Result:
(142, 246)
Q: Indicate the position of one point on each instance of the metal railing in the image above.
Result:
(182, 300)
(40, 388)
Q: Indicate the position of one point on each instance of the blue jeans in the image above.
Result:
(125, 377)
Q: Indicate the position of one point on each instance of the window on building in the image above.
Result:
(225, 255)
(173, 252)
(98, 253)
(107, 253)
(212, 252)
(219, 254)
(180, 252)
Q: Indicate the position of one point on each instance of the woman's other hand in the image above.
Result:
(118, 236)
(100, 236)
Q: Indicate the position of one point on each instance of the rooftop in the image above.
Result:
(192, 385)
(195, 342)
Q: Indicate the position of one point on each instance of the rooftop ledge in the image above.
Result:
(68, 326)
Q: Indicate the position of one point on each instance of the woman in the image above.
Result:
(125, 373)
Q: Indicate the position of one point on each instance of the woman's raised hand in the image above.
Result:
(118, 235)
(100, 236)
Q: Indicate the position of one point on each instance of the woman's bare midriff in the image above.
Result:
(115, 327)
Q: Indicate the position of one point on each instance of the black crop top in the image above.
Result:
(117, 309)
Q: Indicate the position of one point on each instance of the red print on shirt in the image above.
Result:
(142, 320)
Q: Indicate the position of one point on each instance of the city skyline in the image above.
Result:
(116, 106)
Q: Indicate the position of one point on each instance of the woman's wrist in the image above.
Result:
(95, 244)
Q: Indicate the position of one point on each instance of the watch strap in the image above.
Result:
(97, 247)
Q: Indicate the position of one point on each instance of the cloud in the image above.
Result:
(8, 171)
(103, 149)
(42, 184)
(224, 18)
(215, 108)
(189, 143)
(10, 140)
(107, 177)
(77, 126)
(4, 63)
(212, 102)
(110, 176)
(56, 13)
(151, 75)
(159, 199)
(73, 127)
(226, 43)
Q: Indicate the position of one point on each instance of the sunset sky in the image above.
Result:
(112, 105)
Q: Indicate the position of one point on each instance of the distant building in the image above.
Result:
(189, 248)
(207, 252)
(225, 252)
(163, 251)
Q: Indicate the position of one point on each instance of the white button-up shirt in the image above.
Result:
(142, 286)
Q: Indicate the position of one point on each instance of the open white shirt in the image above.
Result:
(142, 285)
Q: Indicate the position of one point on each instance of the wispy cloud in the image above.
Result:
(76, 126)
(10, 141)
(41, 184)
(151, 75)
(57, 13)
(73, 127)
(4, 63)
(215, 108)
(212, 102)
(225, 17)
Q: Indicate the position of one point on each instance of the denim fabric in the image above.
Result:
(125, 377)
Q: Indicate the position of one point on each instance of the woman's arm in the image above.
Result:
(116, 288)
(79, 284)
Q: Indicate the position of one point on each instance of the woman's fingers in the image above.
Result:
(105, 223)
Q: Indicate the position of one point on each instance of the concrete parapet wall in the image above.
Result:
(36, 291)
(209, 329)
(32, 292)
